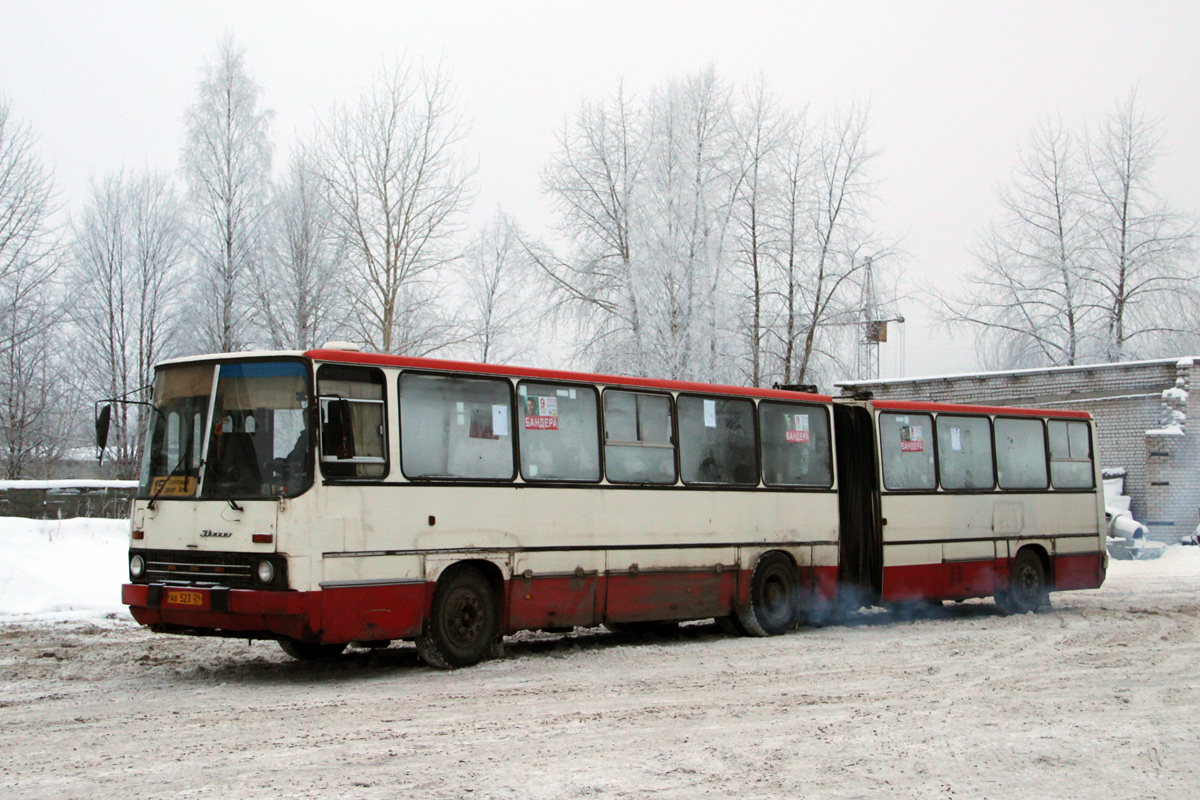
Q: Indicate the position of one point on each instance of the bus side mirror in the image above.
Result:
(102, 422)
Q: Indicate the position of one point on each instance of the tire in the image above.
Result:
(307, 651)
(464, 622)
(774, 597)
(1027, 588)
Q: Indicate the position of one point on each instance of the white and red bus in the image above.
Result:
(333, 496)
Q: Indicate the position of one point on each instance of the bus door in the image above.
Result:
(860, 550)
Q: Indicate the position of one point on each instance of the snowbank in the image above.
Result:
(72, 483)
(62, 568)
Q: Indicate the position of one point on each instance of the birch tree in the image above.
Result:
(1027, 298)
(300, 291)
(227, 163)
(128, 255)
(31, 412)
(594, 180)
(1141, 251)
(397, 183)
(498, 325)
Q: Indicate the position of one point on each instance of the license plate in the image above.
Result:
(178, 597)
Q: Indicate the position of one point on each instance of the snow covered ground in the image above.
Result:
(1098, 698)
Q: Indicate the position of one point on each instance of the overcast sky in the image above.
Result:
(953, 87)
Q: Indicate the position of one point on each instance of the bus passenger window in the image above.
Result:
(637, 437)
(716, 440)
(1070, 455)
(1020, 453)
(906, 444)
(795, 445)
(965, 452)
(453, 427)
(559, 431)
(353, 443)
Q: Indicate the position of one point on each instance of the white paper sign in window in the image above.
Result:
(710, 413)
(500, 420)
(797, 428)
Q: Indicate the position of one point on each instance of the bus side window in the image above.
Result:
(560, 434)
(906, 445)
(352, 419)
(965, 452)
(795, 445)
(1020, 453)
(1070, 455)
(455, 428)
(637, 437)
(716, 440)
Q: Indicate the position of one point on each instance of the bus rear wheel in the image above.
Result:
(774, 593)
(1027, 588)
(307, 651)
(464, 621)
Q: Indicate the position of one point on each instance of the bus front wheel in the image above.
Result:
(463, 623)
(774, 593)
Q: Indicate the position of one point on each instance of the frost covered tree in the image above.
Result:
(128, 249)
(1085, 263)
(301, 293)
(227, 164)
(498, 327)
(1141, 252)
(1026, 295)
(33, 418)
(594, 181)
(711, 234)
(397, 182)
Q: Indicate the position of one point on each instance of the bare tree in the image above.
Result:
(301, 295)
(30, 407)
(762, 136)
(594, 180)
(397, 183)
(227, 163)
(1085, 264)
(1026, 297)
(836, 226)
(498, 327)
(128, 249)
(1140, 254)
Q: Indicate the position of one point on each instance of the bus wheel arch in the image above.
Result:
(1029, 580)
(773, 602)
(464, 619)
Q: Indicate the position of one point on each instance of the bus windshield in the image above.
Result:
(259, 443)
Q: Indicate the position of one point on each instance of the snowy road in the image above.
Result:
(1099, 698)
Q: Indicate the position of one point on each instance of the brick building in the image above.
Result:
(1142, 411)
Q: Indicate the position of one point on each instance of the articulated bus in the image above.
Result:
(333, 497)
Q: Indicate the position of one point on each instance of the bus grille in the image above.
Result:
(232, 570)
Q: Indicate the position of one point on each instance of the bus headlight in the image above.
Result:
(266, 571)
(137, 566)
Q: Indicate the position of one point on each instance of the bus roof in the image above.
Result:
(411, 362)
(1009, 411)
